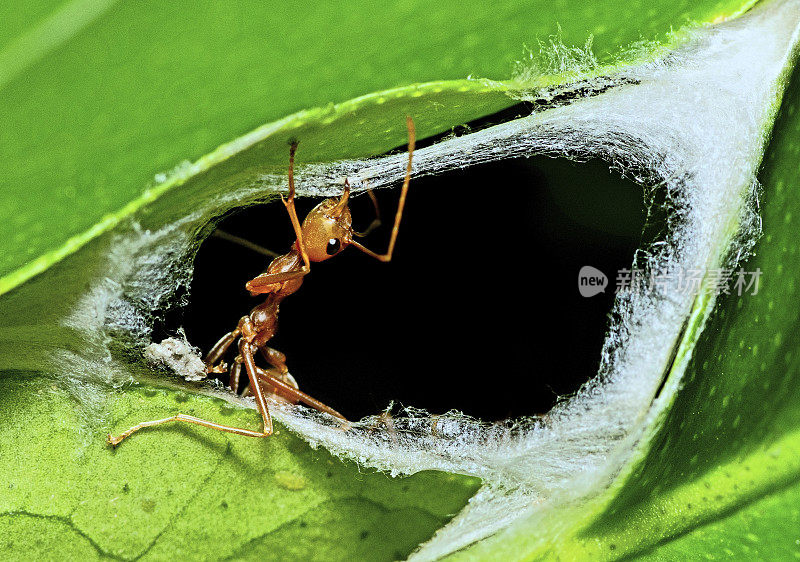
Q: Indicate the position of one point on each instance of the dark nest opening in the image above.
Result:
(479, 311)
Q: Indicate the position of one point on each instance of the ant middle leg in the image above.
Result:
(220, 348)
(212, 360)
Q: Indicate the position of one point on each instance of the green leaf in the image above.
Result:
(739, 394)
(193, 493)
(765, 529)
(112, 109)
(77, 156)
(717, 471)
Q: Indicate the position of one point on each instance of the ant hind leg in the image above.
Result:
(246, 352)
(286, 390)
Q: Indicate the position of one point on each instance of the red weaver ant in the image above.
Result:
(325, 232)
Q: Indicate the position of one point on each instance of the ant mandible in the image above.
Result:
(325, 232)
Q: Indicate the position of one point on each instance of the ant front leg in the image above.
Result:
(290, 208)
(273, 282)
(387, 256)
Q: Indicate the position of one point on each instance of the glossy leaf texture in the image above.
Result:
(718, 479)
(87, 124)
(731, 437)
(100, 96)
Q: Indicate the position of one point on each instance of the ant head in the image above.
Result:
(327, 230)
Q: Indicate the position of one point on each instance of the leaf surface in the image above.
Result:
(77, 155)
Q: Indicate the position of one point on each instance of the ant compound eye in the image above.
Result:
(334, 245)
